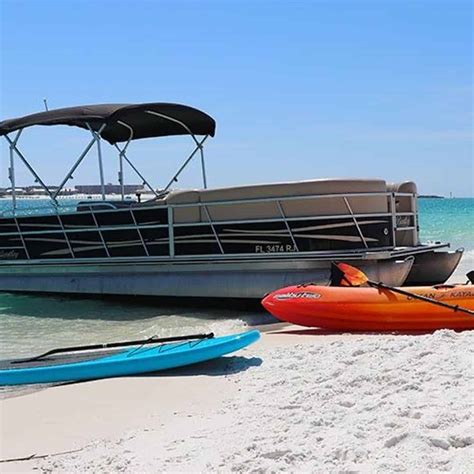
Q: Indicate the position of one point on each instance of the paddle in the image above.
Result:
(351, 276)
(151, 340)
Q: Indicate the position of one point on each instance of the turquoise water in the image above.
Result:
(450, 220)
(31, 324)
(447, 220)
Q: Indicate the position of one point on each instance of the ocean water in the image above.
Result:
(30, 324)
(447, 220)
(450, 220)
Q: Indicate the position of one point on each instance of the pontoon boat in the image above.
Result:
(234, 242)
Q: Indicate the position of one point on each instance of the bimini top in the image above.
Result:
(120, 122)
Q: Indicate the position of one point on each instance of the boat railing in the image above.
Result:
(60, 208)
(400, 222)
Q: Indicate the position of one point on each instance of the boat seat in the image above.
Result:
(307, 207)
(297, 207)
(185, 214)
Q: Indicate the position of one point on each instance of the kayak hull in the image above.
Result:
(137, 360)
(371, 309)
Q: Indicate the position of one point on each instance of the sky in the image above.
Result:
(299, 89)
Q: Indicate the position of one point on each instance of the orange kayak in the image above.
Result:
(372, 309)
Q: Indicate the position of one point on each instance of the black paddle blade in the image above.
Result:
(337, 275)
(470, 276)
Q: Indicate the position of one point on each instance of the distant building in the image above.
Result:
(38, 190)
(78, 189)
(9, 191)
(109, 188)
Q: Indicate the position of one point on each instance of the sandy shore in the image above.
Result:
(297, 400)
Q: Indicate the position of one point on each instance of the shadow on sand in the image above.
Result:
(216, 367)
(329, 332)
(221, 366)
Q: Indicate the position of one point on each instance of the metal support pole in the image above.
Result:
(171, 231)
(11, 176)
(120, 176)
(393, 211)
(11, 169)
(216, 235)
(359, 231)
(172, 119)
(99, 156)
(142, 240)
(121, 155)
(150, 187)
(288, 228)
(23, 243)
(31, 169)
(175, 177)
(414, 209)
(101, 168)
(203, 166)
(78, 162)
(196, 141)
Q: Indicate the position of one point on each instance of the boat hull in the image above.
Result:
(209, 279)
(132, 361)
(371, 309)
(432, 268)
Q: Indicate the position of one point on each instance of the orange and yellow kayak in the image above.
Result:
(372, 309)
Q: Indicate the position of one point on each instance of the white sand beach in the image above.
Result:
(166, 165)
(298, 400)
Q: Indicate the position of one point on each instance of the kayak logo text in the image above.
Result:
(298, 295)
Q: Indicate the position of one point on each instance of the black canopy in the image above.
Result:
(141, 118)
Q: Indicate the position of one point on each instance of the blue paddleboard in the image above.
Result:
(135, 360)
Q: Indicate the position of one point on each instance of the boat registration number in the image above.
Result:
(274, 248)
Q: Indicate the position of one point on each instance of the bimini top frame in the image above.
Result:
(115, 123)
